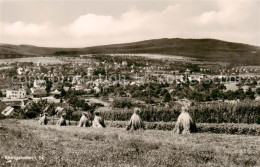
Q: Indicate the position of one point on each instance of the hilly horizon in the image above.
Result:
(211, 50)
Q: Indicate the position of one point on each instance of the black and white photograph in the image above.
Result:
(121, 83)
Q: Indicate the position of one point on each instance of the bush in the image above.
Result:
(122, 103)
(2, 116)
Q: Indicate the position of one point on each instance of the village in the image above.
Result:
(164, 83)
(101, 81)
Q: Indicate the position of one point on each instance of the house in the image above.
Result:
(97, 90)
(193, 78)
(39, 93)
(8, 111)
(15, 93)
(39, 84)
(66, 88)
(27, 69)
(76, 79)
(245, 88)
(55, 93)
(232, 101)
(95, 101)
(39, 64)
(88, 90)
(20, 71)
(231, 87)
(257, 98)
(90, 71)
(57, 85)
(188, 71)
(124, 63)
(79, 87)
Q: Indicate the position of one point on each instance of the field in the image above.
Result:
(44, 60)
(73, 146)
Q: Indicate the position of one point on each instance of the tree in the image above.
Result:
(167, 97)
(75, 102)
(193, 67)
(69, 112)
(215, 94)
(258, 91)
(197, 96)
(48, 85)
(101, 71)
(63, 92)
(250, 94)
(36, 108)
(122, 103)
(86, 107)
(71, 53)
(222, 87)
(51, 111)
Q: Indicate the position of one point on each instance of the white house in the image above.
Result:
(124, 63)
(8, 111)
(195, 78)
(90, 71)
(39, 84)
(97, 90)
(15, 93)
(79, 87)
(76, 79)
(20, 71)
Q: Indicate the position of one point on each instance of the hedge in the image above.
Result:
(243, 112)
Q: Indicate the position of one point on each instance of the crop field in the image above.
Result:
(50, 145)
(44, 60)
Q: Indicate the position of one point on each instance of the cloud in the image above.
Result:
(26, 33)
(236, 21)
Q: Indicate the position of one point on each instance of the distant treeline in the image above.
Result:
(73, 52)
(13, 56)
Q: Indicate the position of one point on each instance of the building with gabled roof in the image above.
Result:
(8, 111)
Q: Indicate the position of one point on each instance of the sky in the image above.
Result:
(82, 23)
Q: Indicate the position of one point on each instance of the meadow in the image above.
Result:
(73, 146)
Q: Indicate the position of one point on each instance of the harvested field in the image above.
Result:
(73, 146)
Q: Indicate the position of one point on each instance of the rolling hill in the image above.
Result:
(204, 49)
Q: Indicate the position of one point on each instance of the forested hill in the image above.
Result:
(206, 49)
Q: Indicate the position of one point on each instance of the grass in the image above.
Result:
(74, 146)
(227, 128)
